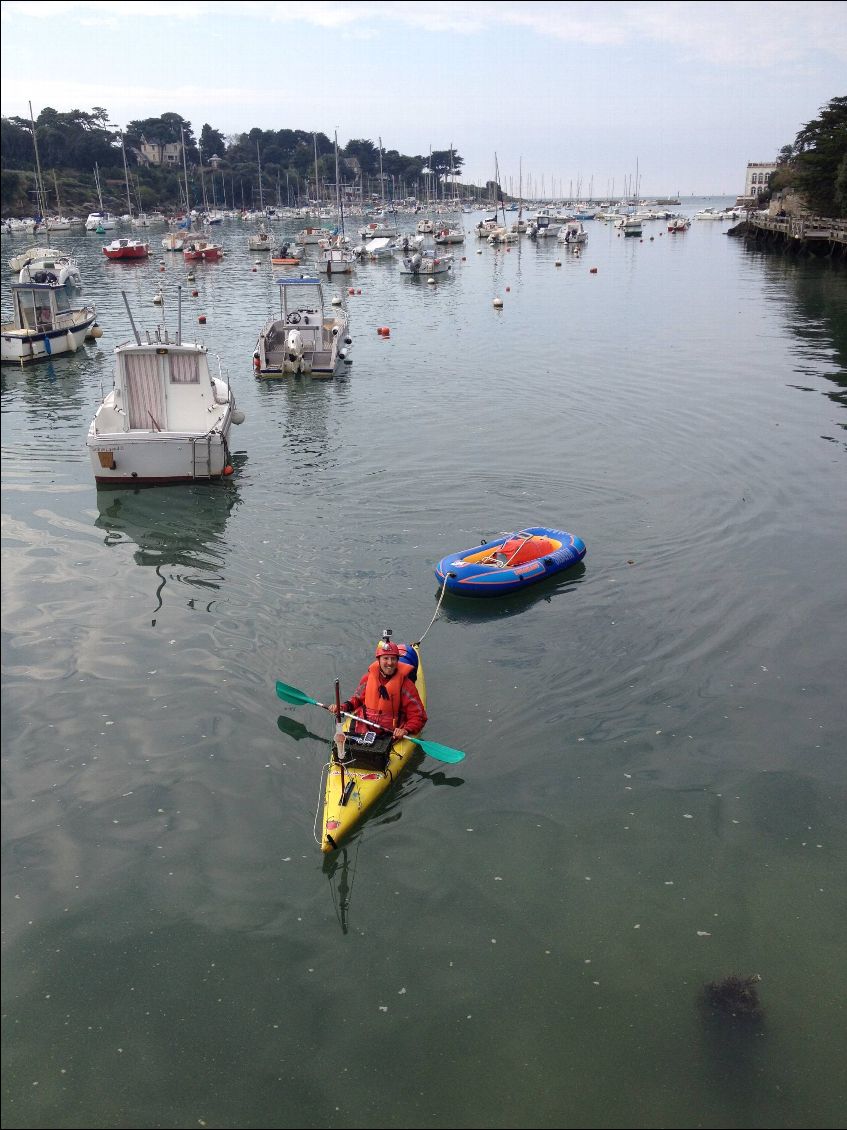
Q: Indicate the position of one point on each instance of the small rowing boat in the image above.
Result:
(510, 562)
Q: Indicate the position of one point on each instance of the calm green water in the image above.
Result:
(653, 796)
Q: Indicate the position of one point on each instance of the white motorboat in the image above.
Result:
(45, 324)
(335, 260)
(17, 262)
(449, 235)
(709, 214)
(304, 338)
(261, 240)
(678, 224)
(544, 226)
(425, 264)
(59, 269)
(425, 227)
(102, 221)
(573, 234)
(311, 237)
(166, 419)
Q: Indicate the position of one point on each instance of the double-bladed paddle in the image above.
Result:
(431, 749)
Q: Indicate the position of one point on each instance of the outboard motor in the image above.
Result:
(415, 262)
(294, 349)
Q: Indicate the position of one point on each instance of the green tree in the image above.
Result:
(211, 142)
(820, 149)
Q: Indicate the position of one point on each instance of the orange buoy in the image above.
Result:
(386, 332)
(351, 291)
(228, 469)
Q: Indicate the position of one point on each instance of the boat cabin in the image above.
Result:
(39, 306)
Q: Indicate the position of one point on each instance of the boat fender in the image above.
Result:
(331, 842)
(257, 363)
(348, 341)
(345, 796)
(335, 331)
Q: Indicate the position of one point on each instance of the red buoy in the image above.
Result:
(202, 319)
(227, 469)
(194, 293)
(593, 271)
(351, 291)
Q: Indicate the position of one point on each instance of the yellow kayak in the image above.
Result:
(368, 770)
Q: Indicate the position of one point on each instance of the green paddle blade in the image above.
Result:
(438, 751)
(292, 694)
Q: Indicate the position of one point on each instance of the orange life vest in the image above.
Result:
(384, 711)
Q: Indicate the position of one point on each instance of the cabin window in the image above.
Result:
(185, 369)
(26, 304)
(63, 303)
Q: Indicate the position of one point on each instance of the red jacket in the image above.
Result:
(389, 702)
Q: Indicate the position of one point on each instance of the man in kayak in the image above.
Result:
(387, 696)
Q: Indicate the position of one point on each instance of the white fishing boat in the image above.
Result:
(425, 227)
(425, 264)
(17, 262)
(59, 269)
(166, 419)
(100, 221)
(311, 237)
(45, 324)
(449, 235)
(485, 227)
(304, 338)
(573, 234)
(335, 260)
(544, 226)
(261, 240)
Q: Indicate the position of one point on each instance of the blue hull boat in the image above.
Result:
(510, 562)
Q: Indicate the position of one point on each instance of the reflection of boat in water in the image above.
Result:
(178, 534)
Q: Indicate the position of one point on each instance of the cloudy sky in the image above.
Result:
(568, 91)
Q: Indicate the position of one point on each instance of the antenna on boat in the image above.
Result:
(179, 314)
(131, 322)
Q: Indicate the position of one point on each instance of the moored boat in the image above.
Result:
(166, 419)
(45, 324)
(510, 561)
(304, 338)
(425, 263)
(127, 249)
(59, 269)
(201, 250)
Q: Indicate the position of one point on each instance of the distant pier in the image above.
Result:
(814, 235)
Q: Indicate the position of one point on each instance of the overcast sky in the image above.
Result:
(572, 91)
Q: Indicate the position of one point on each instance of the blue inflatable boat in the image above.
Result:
(510, 562)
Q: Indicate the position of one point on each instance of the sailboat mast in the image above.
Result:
(261, 194)
(317, 188)
(381, 175)
(39, 187)
(126, 178)
(338, 205)
(185, 172)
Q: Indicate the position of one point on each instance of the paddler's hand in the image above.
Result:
(332, 709)
(400, 732)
